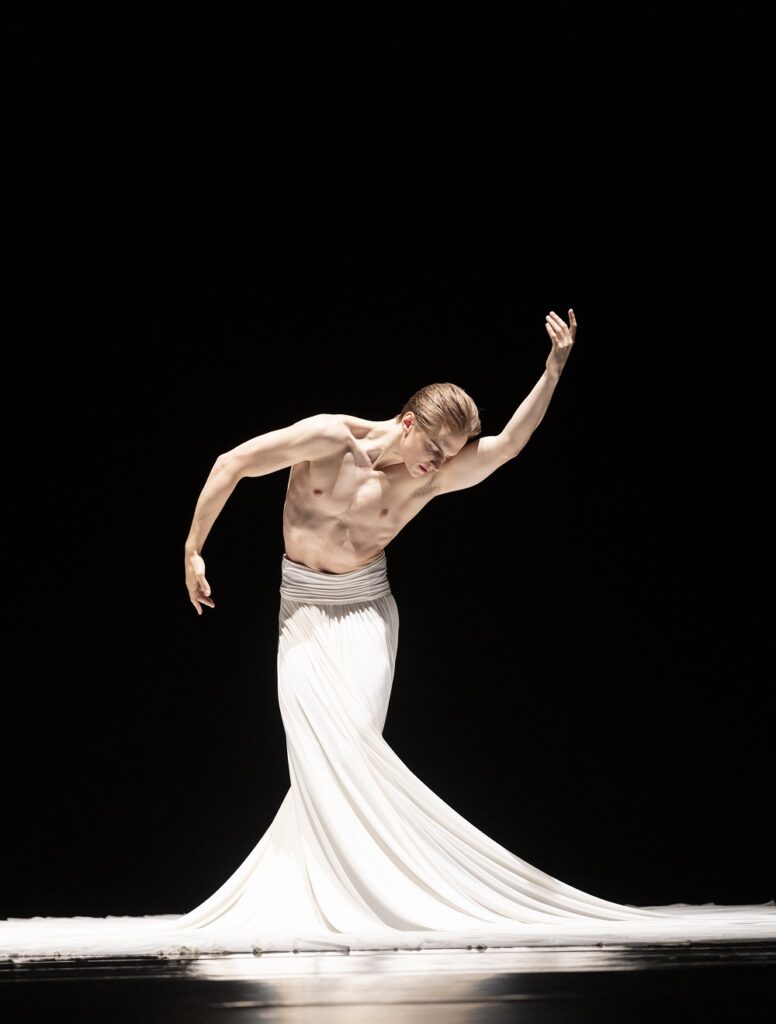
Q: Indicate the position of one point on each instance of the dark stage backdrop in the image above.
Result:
(226, 230)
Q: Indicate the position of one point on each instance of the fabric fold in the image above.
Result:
(361, 854)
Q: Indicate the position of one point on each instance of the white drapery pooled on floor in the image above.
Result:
(361, 854)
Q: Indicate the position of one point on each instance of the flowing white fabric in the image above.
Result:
(361, 854)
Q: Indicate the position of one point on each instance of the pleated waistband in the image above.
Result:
(301, 583)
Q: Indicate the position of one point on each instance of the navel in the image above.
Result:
(316, 491)
(384, 512)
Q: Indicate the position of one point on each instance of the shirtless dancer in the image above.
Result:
(354, 847)
(355, 483)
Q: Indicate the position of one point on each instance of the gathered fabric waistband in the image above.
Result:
(301, 583)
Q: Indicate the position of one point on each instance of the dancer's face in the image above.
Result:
(426, 452)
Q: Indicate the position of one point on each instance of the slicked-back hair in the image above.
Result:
(443, 407)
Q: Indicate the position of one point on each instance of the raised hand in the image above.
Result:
(562, 337)
(196, 583)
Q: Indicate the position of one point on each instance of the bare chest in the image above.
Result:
(339, 489)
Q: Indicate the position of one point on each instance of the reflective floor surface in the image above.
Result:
(685, 982)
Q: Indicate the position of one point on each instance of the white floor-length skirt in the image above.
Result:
(361, 854)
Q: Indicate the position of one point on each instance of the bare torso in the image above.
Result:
(339, 515)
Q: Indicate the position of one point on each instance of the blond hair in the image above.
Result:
(443, 406)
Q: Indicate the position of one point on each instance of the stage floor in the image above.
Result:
(688, 982)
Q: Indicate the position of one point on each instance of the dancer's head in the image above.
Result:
(438, 420)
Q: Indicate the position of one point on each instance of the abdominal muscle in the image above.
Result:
(325, 555)
(340, 518)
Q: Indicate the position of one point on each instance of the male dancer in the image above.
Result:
(361, 850)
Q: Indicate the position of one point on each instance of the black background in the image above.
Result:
(227, 224)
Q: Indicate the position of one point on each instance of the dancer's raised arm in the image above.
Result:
(479, 458)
